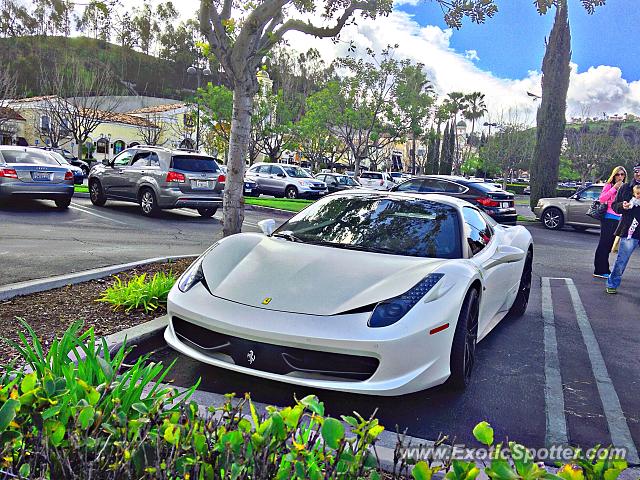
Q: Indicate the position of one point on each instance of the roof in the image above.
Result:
(125, 118)
(159, 108)
(7, 113)
(33, 99)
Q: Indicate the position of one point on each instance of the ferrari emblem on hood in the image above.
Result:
(266, 301)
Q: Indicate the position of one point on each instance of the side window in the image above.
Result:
(410, 186)
(592, 193)
(154, 160)
(124, 158)
(254, 169)
(451, 187)
(141, 159)
(429, 185)
(276, 170)
(477, 231)
(264, 169)
(331, 180)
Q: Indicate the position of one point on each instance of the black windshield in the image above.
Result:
(192, 163)
(384, 224)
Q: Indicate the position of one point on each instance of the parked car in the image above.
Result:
(284, 180)
(336, 182)
(396, 176)
(497, 203)
(32, 173)
(554, 213)
(158, 178)
(78, 173)
(376, 180)
(70, 158)
(527, 190)
(430, 293)
(250, 188)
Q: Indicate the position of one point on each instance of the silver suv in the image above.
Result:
(284, 180)
(159, 178)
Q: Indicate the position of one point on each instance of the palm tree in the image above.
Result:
(457, 103)
(475, 109)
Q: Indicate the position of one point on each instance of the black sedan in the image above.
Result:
(336, 182)
(497, 203)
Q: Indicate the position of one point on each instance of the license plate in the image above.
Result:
(200, 184)
(505, 204)
(247, 190)
(41, 176)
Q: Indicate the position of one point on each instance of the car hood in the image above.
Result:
(276, 274)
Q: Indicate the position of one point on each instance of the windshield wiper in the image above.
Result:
(288, 236)
(349, 246)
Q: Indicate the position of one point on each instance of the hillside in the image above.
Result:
(138, 73)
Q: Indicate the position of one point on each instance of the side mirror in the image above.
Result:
(267, 226)
(506, 254)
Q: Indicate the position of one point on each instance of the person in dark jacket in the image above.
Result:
(628, 229)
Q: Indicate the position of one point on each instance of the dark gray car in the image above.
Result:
(27, 172)
(158, 178)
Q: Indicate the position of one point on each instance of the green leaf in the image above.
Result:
(313, 404)
(8, 413)
(501, 470)
(86, 417)
(140, 408)
(55, 431)
(51, 412)
(421, 471)
(332, 432)
(570, 471)
(25, 470)
(200, 443)
(483, 433)
(28, 383)
(350, 420)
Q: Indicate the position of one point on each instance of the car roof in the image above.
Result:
(434, 197)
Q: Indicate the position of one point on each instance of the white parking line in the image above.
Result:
(618, 427)
(556, 431)
(80, 208)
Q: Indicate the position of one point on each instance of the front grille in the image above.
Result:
(274, 358)
(317, 187)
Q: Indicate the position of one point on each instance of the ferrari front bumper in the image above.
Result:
(402, 358)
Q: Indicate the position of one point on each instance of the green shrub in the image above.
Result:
(139, 293)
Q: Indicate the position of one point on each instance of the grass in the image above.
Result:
(279, 203)
(524, 219)
(81, 189)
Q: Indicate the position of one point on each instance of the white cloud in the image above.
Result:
(471, 55)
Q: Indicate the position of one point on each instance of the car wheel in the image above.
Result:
(148, 203)
(63, 203)
(96, 194)
(207, 212)
(291, 192)
(579, 228)
(552, 218)
(463, 348)
(85, 171)
(524, 289)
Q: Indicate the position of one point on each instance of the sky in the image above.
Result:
(502, 58)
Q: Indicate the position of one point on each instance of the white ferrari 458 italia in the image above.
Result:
(369, 292)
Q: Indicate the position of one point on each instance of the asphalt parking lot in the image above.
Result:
(568, 371)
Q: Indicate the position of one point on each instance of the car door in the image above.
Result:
(259, 174)
(332, 183)
(133, 173)
(580, 203)
(113, 179)
(499, 278)
(277, 180)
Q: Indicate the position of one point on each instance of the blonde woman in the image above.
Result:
(609, 223)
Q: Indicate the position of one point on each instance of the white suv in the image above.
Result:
(376, 180)
(284, 180)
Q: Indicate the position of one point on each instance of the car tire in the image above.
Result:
(148, 203)
(463, 347)
(524, 289)
(579, 228)
(63, 203)
(552, 218)
(85, 171)
(96, 194)
(207, 212)
(291, 192)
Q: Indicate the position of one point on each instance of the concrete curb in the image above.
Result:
(40, 285)
(260, 208)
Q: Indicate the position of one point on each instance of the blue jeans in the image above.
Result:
(627, 246)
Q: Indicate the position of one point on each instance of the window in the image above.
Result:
(273, 170)
(373, 175)
(193, 163)
(322, 178)
(591, 193)
(141, 159)
(124, 158)
(154, 160)
(477, 231)
(410, 186)
(45, 123)
(263, 169)
(434, 185)
(24, 156)
(451, 187)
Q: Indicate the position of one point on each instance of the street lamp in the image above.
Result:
(198, 72)
(487, 124)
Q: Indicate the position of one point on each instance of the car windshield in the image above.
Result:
(381, 224)
(344, 180)
(296, 172)
(24, 156)
(192, 163)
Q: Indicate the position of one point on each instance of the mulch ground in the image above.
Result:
(50, 313)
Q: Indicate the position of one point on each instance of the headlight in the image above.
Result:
(390, 311)
(191, 276)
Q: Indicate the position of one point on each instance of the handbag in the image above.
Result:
(597, 210)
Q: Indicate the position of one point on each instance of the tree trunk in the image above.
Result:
(233, 200)
(551, 118)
